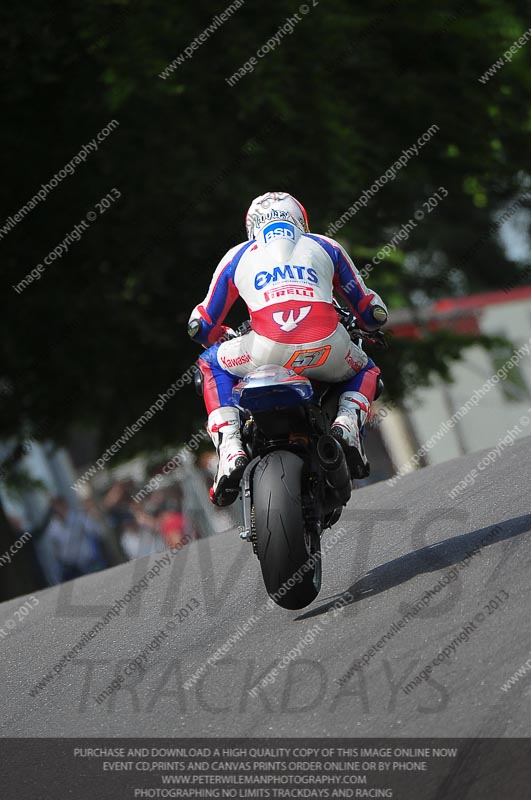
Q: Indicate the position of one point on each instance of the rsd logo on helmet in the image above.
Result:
(279, 230)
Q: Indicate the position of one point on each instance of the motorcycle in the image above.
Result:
(297, 481)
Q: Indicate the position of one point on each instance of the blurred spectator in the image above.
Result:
(113, 548)
(37, 577)
(207, 464)
(71, 544)
(117, 504)
(171, 525)
(138, 538)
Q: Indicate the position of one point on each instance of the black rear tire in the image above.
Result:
(288, 547)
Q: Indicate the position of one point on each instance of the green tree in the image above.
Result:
(323, 115)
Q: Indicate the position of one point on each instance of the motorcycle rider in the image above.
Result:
(286, 276)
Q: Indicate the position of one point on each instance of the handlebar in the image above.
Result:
(349, 321)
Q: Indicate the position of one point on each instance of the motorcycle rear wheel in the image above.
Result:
(288, 545)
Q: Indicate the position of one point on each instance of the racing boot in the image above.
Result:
(224, 429)
(352, 412)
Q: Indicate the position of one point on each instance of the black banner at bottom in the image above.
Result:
(119, 769)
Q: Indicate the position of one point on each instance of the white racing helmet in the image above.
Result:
(272, 206)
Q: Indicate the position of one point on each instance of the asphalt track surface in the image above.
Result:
(395, 544)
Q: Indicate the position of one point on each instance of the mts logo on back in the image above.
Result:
(287, 272)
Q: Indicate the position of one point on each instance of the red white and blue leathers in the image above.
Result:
(287, 279)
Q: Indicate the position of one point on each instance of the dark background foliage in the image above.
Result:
(103, 331)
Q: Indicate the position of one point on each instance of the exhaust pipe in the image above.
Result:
(332, 460)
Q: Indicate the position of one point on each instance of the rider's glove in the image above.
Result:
(228, 333)
(379, 314)
(194, 327)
